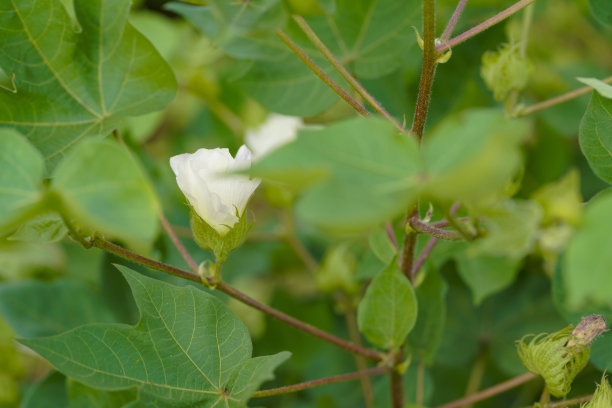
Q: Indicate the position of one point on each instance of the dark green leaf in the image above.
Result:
(59, 101)
(49, 392)
(105, 190)
(388, 310)
(21, 171)
(368, 171)
(426, 336)
(82, 396)
(35, 309)
(602, 10)
(188, 349)
(596, 136)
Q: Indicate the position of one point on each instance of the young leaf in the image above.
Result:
(585, 266)
(369, 173)
(59, 101)
(104, 190)
(388, 311)
(596, 136)
(188, 349)
(21, 171)
(473, 155)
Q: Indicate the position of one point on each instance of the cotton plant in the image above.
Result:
(217, 198)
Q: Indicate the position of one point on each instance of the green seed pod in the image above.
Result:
(505, 71)
(602, 398)
(549, 356)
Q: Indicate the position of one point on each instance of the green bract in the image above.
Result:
(602, 398)
(547, 355)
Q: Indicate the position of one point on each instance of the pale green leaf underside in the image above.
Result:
(604, 89)
(71, 84)
(188, 349)
(596, 136)
(388, 310)
(105, 190)
(364, 172)
(21, 170)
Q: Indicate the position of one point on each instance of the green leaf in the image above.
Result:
(49, 392)
(21, 171)
(511, 229)
(105, 190)
(366, 173)
(58, 102)
(82, 396)
(596, 136)
(36, 309)
(370, 37)
(486, 275)
(601, 87)
(585, 266)
(426, 336)
(473, 155)
(381, 245)
(237, 28)
(388, 310)
(601, 10)
(188, 349)
(47, 227)
(21, 260)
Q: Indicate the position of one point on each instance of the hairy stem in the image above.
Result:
(559, 99)
(236, 294)
(316, 41)
(570, 402)
(317, 383)
(453, 21)
(489, 392)
(424, 228)
(397, 389)
(422, 258)
(484, 25)
(177, 242)
(319, 72)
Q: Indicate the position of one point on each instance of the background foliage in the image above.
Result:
(96, 95)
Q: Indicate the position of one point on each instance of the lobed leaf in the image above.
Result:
(58, 101)
(188, 349)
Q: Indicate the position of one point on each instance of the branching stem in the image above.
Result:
(320, 73)
(236, 294)
(424, 228)
(319, 382)
(448, 31)
(489, 392)
(316, 41)
(484, 25)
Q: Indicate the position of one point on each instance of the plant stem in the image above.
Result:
(527, 19)
(489, 392)
(316, 41)
(296, 244)
(570, 402)
(484, 25)
(397, 389)
(391, 234)
(408, 249)
(420, 383)
(453, 21)
(459, 227)
(177, 242)
(319, 72)
(224, 287)
(422, 258)
(559, 99)
(476, 374)
(319, 382)
(424, 228)
(353, 329)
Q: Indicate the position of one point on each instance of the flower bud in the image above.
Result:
(217, 198)
(560, 356)
(602, 398)
(276, 131)
(505, 70)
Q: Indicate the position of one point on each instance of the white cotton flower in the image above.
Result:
(218, 198)
(276, 131)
